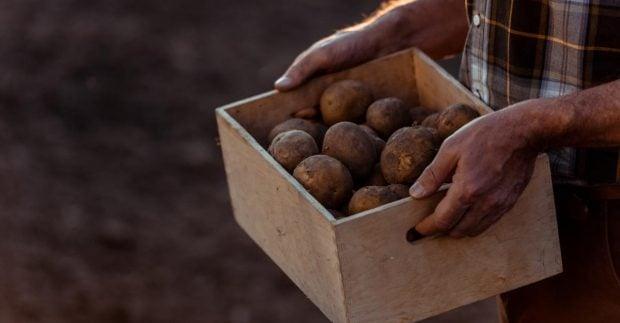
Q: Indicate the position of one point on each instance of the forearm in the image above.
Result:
(588, 118)
(438, 27)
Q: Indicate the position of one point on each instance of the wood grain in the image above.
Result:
(388, 279)
(282, 218)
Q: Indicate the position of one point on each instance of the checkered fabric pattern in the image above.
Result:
(523, 49)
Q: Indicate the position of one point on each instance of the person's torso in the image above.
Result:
(523, 49)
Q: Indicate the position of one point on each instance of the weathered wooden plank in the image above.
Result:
(282, 218)
(388, 279)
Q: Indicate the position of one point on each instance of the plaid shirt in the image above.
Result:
(523, 49)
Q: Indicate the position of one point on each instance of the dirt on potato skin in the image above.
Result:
(114, 206)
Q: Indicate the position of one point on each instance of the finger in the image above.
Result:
(447, 214)
(434, 175)
(303, 67)
(494, 216)
(469, 222)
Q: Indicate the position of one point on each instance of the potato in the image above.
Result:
(431, 121)
(316, 130)
(327, 179)
(400, 190)
(307, 113)
(370, 197)
(406, 154)
(345, 101)
(348, 143)
(418, 114)
(387, 115)
(435, 133)
(454, 117)
(376, 177)
(291, 147)
(379, 145)
(378, 142)
(368, 130)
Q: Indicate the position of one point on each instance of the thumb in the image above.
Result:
(433, 176)
(301, 69)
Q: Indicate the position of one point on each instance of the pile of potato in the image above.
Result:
(358, 153)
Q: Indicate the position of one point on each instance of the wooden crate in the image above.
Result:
(362, 268)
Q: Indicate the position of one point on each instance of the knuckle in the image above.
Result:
(469, 194)
(320, 58)
(297, 69)
(308, 62)
(428, 177)
(448, 146)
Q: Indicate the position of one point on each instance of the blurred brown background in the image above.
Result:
(113, 201)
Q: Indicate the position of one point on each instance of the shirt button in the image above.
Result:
(476, 20)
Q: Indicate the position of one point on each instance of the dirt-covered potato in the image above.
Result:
(379, 143)
(351, 145)
(406, 154)
(327, 179)
(368, 130)
(419, 113)
(387, 115)
(435, 133)
(400, 190)
(454, 117)
(345, 101)
(316, 130)
(291, 147)
(370, 197)
(431, 121)
(307, 113)
(376, 177)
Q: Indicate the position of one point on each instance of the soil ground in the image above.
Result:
(113, 202)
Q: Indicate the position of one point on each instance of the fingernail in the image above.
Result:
(414, 235)
(417, 191)
(283, 82)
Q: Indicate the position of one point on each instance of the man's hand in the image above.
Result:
(339, 51)
(490, 161)
(438, 27)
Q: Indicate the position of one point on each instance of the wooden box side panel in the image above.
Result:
(389, 76)
(387, 279)
(438, 89)
(281, 219)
